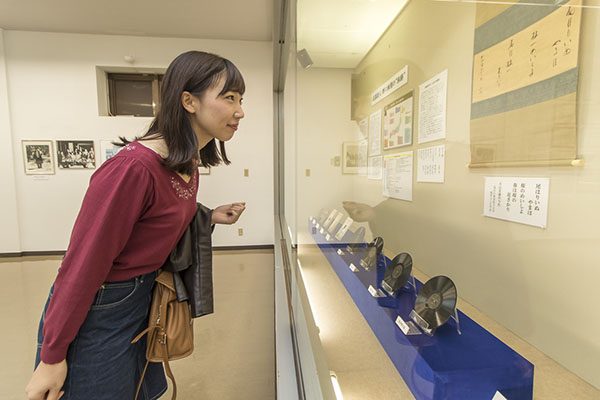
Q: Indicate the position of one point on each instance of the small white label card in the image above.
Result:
(340, 252)
(402, 325)
(408, 328)
(498, 396)
(318, 226)
(328, 237)
(375, 292)
(321, 231)
(517, 199)
(353, 267)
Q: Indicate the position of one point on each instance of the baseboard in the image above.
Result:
(62, 252)
(34, 254)
(252, 247)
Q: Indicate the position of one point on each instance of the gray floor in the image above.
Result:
(234, 347)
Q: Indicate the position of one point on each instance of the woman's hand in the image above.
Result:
(228, 214)
(46, 381)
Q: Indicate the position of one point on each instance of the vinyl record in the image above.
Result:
(436, 301)
(397, 273)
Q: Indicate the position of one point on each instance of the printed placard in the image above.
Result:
(517, 199)
(375, 292)
(353, 267)
(402, 325)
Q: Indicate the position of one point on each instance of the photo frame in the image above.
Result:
(75, 154)
(350, 157)
(38, 157)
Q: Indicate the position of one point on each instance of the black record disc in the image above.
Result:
(436, 301)
(397, 273)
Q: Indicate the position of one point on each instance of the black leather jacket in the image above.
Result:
(191, 264)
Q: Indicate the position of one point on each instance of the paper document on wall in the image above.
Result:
(430, 164)
(375, 168)
(517, 199)
(397, 176)
(375, 133)
(363, 147)
(432, 108)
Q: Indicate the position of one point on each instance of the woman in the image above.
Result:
(137, 206)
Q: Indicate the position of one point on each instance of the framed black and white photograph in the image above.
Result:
(38, 157)
(76, 154)
(350, 158)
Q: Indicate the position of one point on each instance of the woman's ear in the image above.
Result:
(187, 101)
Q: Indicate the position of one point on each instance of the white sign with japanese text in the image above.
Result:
(399, 79)
(398, 175)
(522, 200)
(430, 164)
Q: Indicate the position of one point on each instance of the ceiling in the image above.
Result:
(336, 33)
(228, 19)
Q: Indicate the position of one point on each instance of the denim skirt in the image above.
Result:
(102, 363)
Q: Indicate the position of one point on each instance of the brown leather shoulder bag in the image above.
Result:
(170, 328)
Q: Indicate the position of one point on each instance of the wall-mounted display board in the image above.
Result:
(398, 122)
(525, 66)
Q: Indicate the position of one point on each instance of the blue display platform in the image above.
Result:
(474, 365)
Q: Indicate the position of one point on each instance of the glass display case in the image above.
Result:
(440, 198)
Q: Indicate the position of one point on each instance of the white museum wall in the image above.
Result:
(323, 123)
(52, 94)
(539, 283)
(9, 234)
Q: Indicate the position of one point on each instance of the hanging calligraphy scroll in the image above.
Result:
(524, 91)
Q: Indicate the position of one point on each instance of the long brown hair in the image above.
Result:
(194, 72)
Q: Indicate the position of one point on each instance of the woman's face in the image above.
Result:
(215, 115)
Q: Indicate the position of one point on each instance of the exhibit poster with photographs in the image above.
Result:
(398, 122)
(350, 158)
(76, 154)
(38, 157)
(108, 150)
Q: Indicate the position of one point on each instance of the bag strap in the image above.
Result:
(157, 329)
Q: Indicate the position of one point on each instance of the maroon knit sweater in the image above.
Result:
(133, 213)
